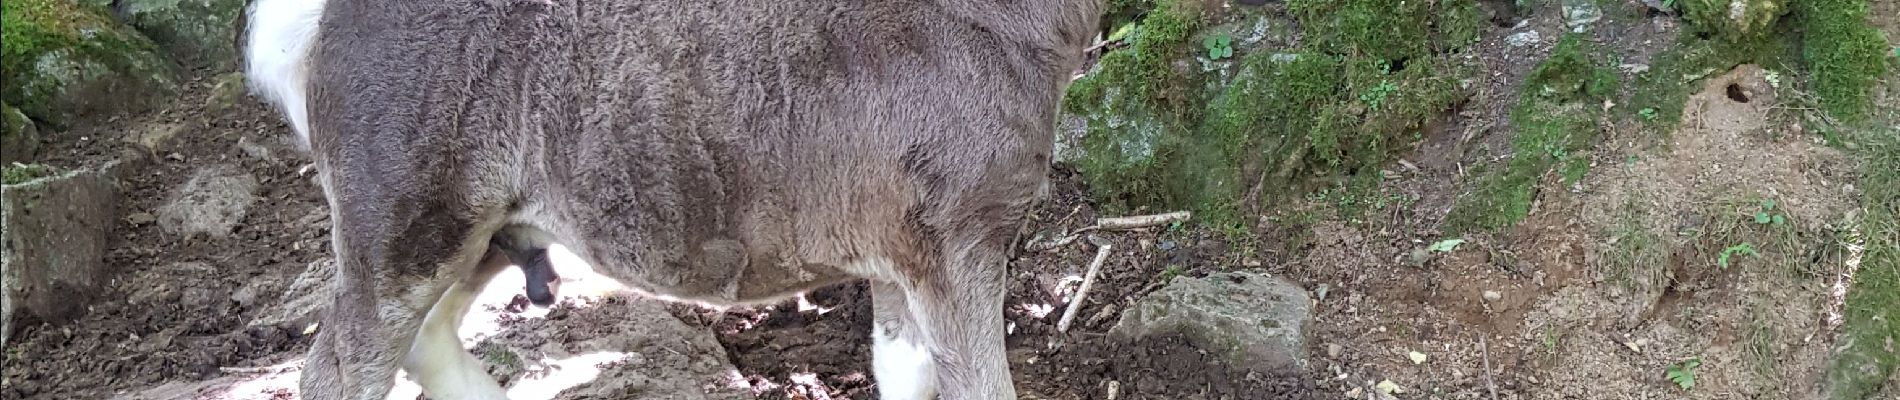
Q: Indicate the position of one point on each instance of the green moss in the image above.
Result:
(1845, 55)
(13, 122)
(1461, 23)
(21, 173)
(1556, 118)
(1718, 18)
(1866, 358)
(1164, 134)
(1374, 28)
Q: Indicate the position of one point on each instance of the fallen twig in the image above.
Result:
(273, 369)
(1088, 279)
(1057, 243)
(1488, 383)
(1139, 221)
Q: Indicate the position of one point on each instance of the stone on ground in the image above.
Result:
(1249, 318)
(213, 202)
(53, 246)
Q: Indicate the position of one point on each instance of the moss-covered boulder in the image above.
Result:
(61, 60)
(19, 139)
(1221, 110)
(196, 32)
(1733, 19)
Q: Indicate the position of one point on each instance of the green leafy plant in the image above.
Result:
(1744, 249)
(1683, 374)
(1767, 215)
(1376, 96)
(1219, 46)
(1648, 113)
(1168, 274)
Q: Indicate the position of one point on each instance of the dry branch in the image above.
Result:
(1488, 383)
(1088, 279)
(1140, 221)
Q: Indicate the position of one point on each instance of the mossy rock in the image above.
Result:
(1172, 123)
(196, 32)
(19, 139)
(63, 60)
(1734, 19)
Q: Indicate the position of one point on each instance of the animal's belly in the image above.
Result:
(720, 276)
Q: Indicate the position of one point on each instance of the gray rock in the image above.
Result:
(1248, 318)
(53, 246)
(212, 202)
(1524, 38)
(1579, 15)
(195, 32)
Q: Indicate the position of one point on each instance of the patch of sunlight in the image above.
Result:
(548, 379)
(580, 285)
(277, 382)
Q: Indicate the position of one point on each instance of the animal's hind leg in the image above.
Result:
(436, 360)
(958, 303)
(900, 358)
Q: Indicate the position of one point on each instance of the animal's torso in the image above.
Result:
(715, 150)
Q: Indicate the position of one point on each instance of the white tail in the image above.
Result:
(277, 50)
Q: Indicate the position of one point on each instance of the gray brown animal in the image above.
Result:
(719, 151)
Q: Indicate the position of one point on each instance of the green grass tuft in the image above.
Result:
(1865, 358)
(22, 173)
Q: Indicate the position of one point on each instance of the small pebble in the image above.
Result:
(1333, 350)
(1492, 295)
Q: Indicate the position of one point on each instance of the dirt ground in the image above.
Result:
(1565, 306)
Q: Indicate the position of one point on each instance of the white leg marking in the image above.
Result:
(904, 369)
(436, 359)
(277, 52)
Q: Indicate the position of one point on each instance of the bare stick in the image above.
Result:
(1140, 221)
(274, 369)
(1053, 244)
(1488, 383)
(1088, 279)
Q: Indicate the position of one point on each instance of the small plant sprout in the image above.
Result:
(1767, 214)
(1648, 113)
(1376, 96)
(1744, 249)
(1219, 46)
(1773, 78)
(1683, 374)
